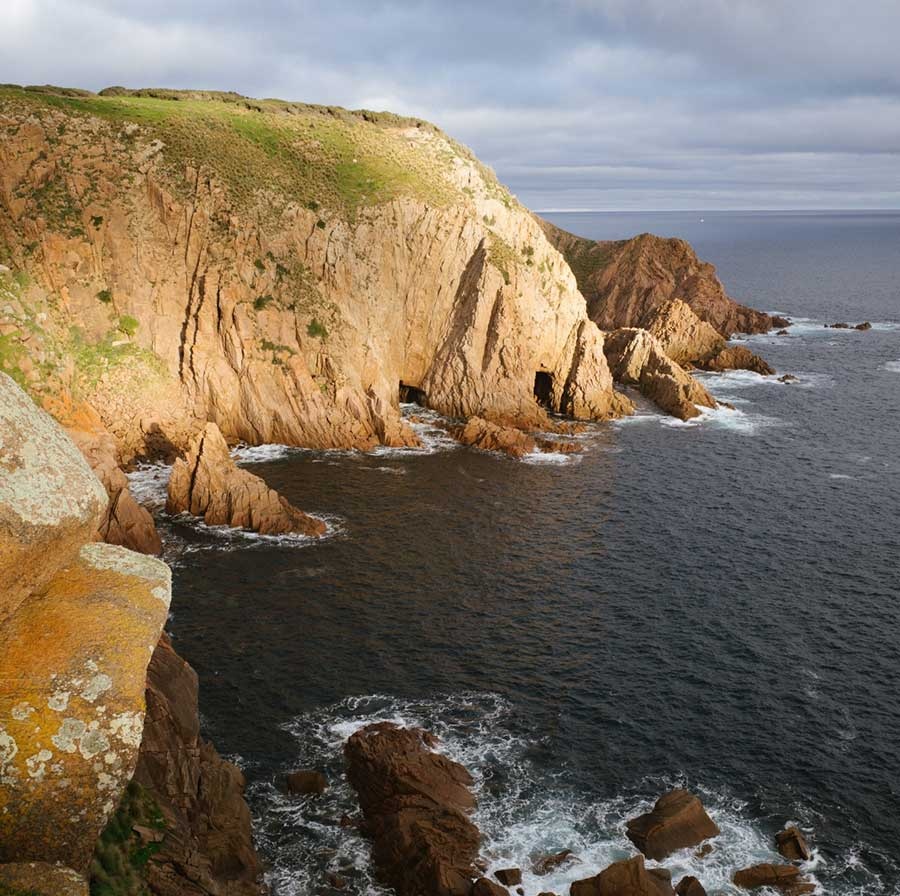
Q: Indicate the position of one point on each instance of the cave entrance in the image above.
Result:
(411, 394)
(543, 389)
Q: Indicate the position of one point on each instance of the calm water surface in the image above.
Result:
(712, 604)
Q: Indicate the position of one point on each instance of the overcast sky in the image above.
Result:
(578, 104)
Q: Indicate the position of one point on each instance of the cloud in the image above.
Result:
(576, 103)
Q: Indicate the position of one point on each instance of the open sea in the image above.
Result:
(713, 604)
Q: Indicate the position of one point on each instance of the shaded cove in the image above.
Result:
(712, 603)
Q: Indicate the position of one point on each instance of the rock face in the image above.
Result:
(416, 805)
(284, 296)
(208, 484)
(677, 821)
(125, 522)
(624, 280)
(636, 358)
(41, 879)
(626, 878)
(737, 357)
(49, 499)
(208, 847)
(73, 649)
(682, 335)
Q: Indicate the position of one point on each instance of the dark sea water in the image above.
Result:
(714, 604)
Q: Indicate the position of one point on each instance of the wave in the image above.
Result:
(524, 811)
(148, 484)
(892, 366)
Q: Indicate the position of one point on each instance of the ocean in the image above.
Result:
(713, 604)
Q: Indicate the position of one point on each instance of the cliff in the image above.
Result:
(278, 269)
(626, 281)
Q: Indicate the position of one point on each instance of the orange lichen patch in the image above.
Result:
(41, 879)
(73, 666)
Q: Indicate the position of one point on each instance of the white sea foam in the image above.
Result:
(261, 454)
(148, 483)
(230, 536)
(558, 458)
(892, 366)
(523, 812)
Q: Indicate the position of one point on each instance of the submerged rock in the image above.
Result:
(636, 358)
(208, 483)
(626, 878)
(792, 844)
(677, 821)
(416, 805)
(546, 864)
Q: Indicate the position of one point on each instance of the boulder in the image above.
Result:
(781, 877)
(208, 843)
(788, 378)
(865, 325)
(546, 864)
(838, 326)
(306, 782)
(626, 878)
(782, 333)
(41, 879)
(50, 501)
(416, 805)
(207, 483)
(677, 821)
(480, 433)
(509, 877)
(690, 886)
(485, 887)
(557, 446)
(792, 844)
(636, 358)
(72, 677)
(737, 357)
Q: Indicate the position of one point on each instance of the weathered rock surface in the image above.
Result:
(677, 821)
(289, 306)
(41, 879)
(208, 848)
(683, 336)
(485, 887)
(416, 805)
(792, 844)
(509, 877)
(636, 358)
(737, 357)
(208, 483)
(690, 886)
(125, 522)
(787, 878)
(626, 878)
(50, 502)
(306, 782)
(546, 864)
(624, 280)
(479, 433)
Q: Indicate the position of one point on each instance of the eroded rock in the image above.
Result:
(487, 436)
(626, 878)
(41, 879)
(208, 484)
(683, 336)
(416, 805)
(786, 878)
(737, 357)
(792, 844)
(677, 821)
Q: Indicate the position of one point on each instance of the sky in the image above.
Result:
(577, 104)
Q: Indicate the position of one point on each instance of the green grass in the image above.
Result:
(94, 358)
(502, 256)
(128, 325)
(104, 296)
(120, 858)
(317, 329)
(317, 156)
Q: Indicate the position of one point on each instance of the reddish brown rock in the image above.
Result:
(782, 877)
(792, 844)
(637, 359)
(865, 325)
(546, 864)
(485, 887)
(416, 805)
(40, 879)
(208, 847)
(480, 433)
(208, 484)
(306, 782)
(677, 821)
(690, 886)
(626, 878)
(683, 336)
(557, 446)
(509, 877)
(737, 357)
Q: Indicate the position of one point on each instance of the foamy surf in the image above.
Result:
(524, 812)
(892, 366)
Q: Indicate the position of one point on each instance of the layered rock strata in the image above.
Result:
(207, 483)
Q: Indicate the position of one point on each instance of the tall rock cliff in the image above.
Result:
(278, 269)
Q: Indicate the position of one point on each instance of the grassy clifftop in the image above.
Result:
(322, 157)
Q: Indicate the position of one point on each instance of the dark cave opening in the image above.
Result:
(543, 389)
(412, 394)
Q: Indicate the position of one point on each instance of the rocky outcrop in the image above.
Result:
(737, 357)
(786, 878)
(682, 335)
(208, 484)
(624, 280)
(478, 433)
(626, 878)
(416, 805)
(690, 886)
(40, 879)
(283, 295)
(207, 849)
(677, 821)
(74, 647)
(792, 844)
(637, 359)
(125, 522)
